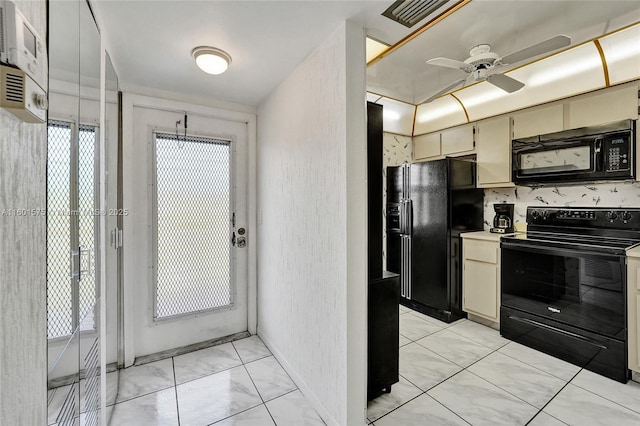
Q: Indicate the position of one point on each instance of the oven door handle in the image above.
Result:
(559, 331)
(541, 248)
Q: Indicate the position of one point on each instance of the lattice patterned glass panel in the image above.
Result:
(87, 221)
(193, 225)
(59, 297)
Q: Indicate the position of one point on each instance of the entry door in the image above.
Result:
(71, 228)
(196, 286)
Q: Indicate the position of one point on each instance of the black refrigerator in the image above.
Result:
(428, 206)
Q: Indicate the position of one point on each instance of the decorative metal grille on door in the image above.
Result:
(193, 225)
(71, 226)
(87, 221)
(59, 295)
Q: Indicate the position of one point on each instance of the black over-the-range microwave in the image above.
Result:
(605, 152)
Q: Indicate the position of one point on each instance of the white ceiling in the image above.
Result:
(507, 26)
(151, 41)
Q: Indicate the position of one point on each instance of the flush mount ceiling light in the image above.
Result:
(211, 60)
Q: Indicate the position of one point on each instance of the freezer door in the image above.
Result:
(429, 237)
(395, 181)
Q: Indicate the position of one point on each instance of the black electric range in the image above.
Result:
(563, 285)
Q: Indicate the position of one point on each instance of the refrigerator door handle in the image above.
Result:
(401, 214)
(409, 217)
(402, 272)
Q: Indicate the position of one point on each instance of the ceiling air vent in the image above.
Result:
(14, 87)
(410, 12)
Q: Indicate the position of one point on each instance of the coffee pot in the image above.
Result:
(503, 219)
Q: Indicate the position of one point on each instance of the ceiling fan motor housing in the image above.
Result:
(481, 57)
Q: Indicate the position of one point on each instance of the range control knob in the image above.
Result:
(611, 216)
(534, 214)
(545, 214)
(626, 216)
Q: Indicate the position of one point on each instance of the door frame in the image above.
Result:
(132, 101)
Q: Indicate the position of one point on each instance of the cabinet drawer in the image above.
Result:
(483, 251)
(637, 279)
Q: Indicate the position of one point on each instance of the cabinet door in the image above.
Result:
(538, 122)
(480, 289)
(633, 312)
(426, 146)
(613, 105)
(493, 149)
(457, 139)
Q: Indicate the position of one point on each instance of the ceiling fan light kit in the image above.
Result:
(483, 64)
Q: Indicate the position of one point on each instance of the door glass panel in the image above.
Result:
(193, 225)
(59, 298)
(87, 219)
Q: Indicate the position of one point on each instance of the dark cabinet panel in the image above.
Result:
(384, 320)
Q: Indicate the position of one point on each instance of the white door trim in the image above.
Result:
(131, 101)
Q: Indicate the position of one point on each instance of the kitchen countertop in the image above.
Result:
(484, 235)
(634, 252)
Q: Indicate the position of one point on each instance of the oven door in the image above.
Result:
(580, 288)
(551, 161)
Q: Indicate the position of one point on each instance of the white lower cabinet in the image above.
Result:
(481, 275)
(633, 306)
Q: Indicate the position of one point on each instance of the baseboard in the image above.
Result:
(169, 353)
(483, 321)
(635, 376)
(297, 379)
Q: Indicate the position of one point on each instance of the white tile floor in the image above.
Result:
(450, 374)
(465, 373)
(238, 383)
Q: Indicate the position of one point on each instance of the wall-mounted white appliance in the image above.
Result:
(23, 68)
(21, 96)
(20, 44)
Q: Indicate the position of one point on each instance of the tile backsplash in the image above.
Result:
(618, 194)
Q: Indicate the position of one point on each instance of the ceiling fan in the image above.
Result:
(483, 64)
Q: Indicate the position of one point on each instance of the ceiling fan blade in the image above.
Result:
(449, 63)
(445, 90)
(537, 49)
(505, 83)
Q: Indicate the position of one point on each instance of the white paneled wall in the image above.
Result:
(23, 323)
(311, 157)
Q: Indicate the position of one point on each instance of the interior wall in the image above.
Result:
(618, 194)
(23, 323)
(311, 186)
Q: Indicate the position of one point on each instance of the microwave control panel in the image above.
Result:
(617, 153)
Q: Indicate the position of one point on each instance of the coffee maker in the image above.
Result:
(503, 220)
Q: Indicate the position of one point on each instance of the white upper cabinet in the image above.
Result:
(538, 121)
(493, 148)
(426, 146)
(616, 103)
(457, 139)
